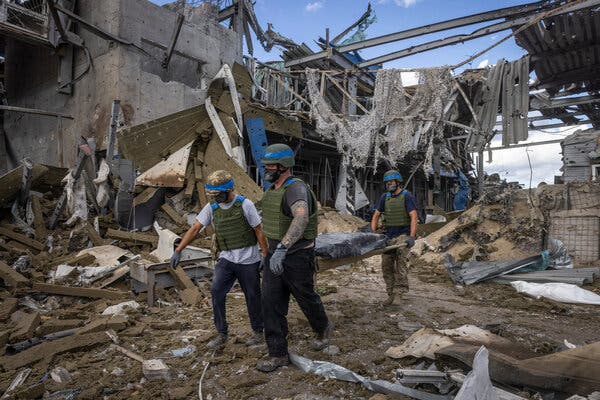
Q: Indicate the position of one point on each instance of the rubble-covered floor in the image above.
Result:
(364, 331)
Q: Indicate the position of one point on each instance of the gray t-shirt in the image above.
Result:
(244, 255)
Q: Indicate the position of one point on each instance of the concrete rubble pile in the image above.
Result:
(530, 239)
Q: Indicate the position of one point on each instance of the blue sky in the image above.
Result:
(306, 21)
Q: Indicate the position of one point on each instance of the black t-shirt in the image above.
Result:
(294, 192)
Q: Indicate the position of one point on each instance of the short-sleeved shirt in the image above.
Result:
(243, 255)
(410, 204)
(294, 192)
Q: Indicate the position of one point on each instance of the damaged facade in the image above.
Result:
(82, 80)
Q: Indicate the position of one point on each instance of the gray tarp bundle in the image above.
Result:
(343, 244)
(331, 370)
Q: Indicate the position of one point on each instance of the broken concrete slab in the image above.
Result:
(25, 325)
(78, 291)
(10, 183)
(573, 371)
(190, 294)
(7, 307)
(168, 173)
(12, 277)
(423, 343)
(107, 255)
(149, 143)
(49, 349)
(426, 342)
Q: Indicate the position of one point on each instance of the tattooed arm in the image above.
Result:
(298, 225)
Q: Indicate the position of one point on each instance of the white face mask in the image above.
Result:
(391, 186)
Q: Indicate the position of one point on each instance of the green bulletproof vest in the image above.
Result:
(231, 227)
(275, 222)
(394, 211)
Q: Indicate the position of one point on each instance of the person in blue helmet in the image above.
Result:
(241, 244)
(399, 210)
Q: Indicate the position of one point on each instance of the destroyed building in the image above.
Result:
(154, 62)
(114, 113)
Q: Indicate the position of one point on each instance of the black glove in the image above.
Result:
(263, 263)
(175, 259)
(276, 263)
(410, 242)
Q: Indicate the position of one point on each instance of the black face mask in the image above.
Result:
(391, 187)
(272, 175)
(221, 197)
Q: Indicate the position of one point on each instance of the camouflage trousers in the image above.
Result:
(394, 266)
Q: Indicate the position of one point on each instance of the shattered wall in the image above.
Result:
(145, 89)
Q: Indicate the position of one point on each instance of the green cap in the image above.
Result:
(279, 153)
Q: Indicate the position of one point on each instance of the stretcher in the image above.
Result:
(323, 264)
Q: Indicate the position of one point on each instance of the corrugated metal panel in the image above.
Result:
(515, 101)
(565, 50)
(490, 97)
(576, 155)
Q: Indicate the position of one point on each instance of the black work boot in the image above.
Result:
(217, 342)
(322, 339)
(390, 300)
(256, 339)
(270, 364)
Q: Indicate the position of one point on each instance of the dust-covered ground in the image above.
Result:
(364, 331)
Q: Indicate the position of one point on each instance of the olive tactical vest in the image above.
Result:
(231, 227)
(275, 222)
(394, 211)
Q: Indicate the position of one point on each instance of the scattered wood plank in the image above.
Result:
(74, 259)
(41, 233)
(115, 276)
(132, 236)
(189, 292)
(94, 236)
(16, 248)
(78, 291)
(34, 244)
(178, 219)
(146, 195)
(12, 277)
(47, 350)
(104, 323)
(190, 181)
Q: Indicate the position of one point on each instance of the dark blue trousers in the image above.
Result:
(248, 276)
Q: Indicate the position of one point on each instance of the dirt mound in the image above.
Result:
(499, 227)
(331, 220)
